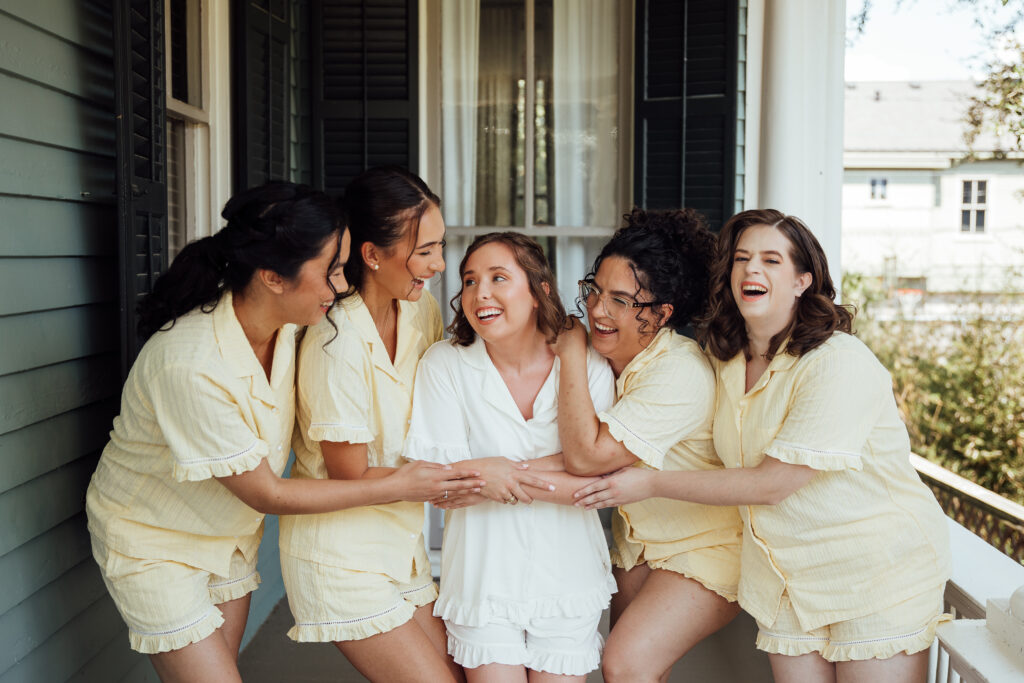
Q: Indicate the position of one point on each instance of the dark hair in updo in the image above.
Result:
(551, 318)
(670, 255)
(816, 316)
(378, 205)
(277, 226)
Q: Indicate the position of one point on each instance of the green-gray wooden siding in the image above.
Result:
(59, 376)
(59, 379)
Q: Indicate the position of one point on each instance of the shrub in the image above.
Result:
(959, 385)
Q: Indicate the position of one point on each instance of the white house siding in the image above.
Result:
(911, 135)
(913, 236)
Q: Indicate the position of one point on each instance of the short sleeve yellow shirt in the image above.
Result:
(662, 415)
(864, 533)
(350, 391)
(197, 404)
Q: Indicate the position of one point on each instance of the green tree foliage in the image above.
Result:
(999, 108)
(959, 386)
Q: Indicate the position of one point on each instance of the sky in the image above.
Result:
(920, 40)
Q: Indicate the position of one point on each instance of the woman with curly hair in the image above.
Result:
(845, 551)
(676, 563)
(522, 586)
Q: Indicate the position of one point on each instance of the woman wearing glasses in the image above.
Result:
(522, 586)
(845, 551)
(648, 283)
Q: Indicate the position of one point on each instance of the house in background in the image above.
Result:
(917, 212)
(126, 124)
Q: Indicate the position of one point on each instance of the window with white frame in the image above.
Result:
(879, 188)
(530, 108)
(974, 209)
(188, 122)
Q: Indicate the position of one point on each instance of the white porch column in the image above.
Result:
(801, 153)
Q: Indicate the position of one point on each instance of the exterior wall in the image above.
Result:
(913, 236)
(59, 376)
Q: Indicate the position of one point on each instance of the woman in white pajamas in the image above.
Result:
(522, 586)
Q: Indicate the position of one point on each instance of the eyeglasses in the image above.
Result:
(614, 306)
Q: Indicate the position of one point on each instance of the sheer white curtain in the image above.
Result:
(460, 39)
(585, 99)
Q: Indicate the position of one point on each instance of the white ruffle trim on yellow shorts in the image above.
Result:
(168, 605)
(907, 627)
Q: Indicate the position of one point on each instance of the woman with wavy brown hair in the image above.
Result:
(522, 586)
(845, 552)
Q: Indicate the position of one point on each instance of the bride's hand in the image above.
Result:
(505, 480)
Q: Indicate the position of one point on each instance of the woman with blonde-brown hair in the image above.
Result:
(522, 586)
(845, 552)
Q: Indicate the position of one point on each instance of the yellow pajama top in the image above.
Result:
(350, 391)
(864, 534)
(663, 416)
(196, 405)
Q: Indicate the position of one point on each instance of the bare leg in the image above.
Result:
(629, 583)
(405, 653)
(438, 634)
(210, 660)
(809, 668)
(497, 673)
(545, 677)
(236, 614)
(669, 615)
(900, 668)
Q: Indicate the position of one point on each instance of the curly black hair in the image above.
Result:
(670, 253)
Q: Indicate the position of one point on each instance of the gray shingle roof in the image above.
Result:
(909, 116)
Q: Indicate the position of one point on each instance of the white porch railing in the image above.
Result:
(969, 650)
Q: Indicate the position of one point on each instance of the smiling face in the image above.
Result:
(310, 294)
(765, 283)
(620, 339)
(401, 274)
(496, 297)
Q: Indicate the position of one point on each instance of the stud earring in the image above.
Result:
(376, 266)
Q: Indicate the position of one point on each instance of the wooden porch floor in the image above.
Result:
(272, 657)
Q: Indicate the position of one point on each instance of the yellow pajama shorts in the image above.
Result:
(168, 605)
(716, 568)
(331, 604)
(907, 627)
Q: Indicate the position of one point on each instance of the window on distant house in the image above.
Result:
(879, 187)
(974, 207)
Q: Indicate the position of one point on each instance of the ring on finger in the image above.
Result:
(512, 500)
(445, 496)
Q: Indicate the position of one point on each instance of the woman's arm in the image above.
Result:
(588, 447)
(349, 461)
(769, 483)
(265, 492)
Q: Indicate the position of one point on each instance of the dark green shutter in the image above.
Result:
(140, 101)
(261, 101)
(364, 87)
(686, 105)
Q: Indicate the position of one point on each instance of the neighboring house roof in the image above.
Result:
(912, 116)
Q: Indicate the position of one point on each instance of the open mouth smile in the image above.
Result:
(752, 291)
(488, 314)
(600, 329)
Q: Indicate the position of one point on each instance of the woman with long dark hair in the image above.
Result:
(360, 578)
(676, 563)
(177, 501)
(845, 552)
